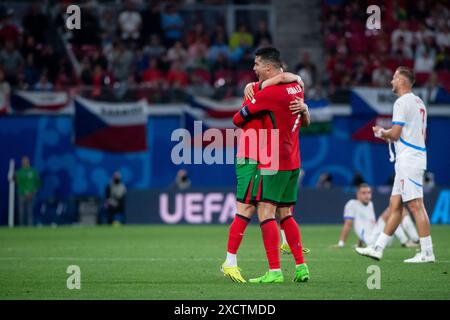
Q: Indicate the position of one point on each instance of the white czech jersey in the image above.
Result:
(410, 112)
(363, 217)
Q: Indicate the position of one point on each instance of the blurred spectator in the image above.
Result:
(182, 181)
(325, 181)
(30, 47)
(262, 33)
(49, 60)
(9, 32)
(177, 77)
(428, 181)
(121, 63)
(307, 70)
(177, 53)
(443, 37)
(238, 53)
(5, 92)
(153, 76)
(219, 47)
(172, 25)
(443, 61)
(108, 27)
(97, 58)
(130, 23)
(219, 31)
(199, 87)
(154, 49)
(246, 62)
(11, 61)
(31, 73)
(28, 183)
(241, 37)
(402, 48)
(196, 55)
(402, 32)
(115, 194)
(381, 75)
(424, 62)
(43, 84)
(198, 34)
(35, 23)
(151, 19)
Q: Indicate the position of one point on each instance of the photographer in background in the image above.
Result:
(115, 200)
(182, 181)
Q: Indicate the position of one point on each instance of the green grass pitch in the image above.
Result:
(182, 262)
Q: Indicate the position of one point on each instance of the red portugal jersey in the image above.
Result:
(282, 152)
(248, 140)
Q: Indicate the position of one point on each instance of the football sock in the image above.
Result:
(382, 241)
(426, 246)
(401, 235)
(237, 229)
(283, 235)
(377, 230)
(293, 238)
(271, 239)
(410, 228)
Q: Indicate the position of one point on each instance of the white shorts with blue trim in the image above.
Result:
(408, 183)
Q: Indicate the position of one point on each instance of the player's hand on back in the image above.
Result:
(298, 106)
(248, 91)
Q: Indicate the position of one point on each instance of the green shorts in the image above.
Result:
(279, 188)
(245, 173)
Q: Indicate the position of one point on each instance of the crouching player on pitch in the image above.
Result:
(360, 214)
(276, 185)
(409, 123)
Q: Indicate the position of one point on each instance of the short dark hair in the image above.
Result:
(407, 73)
(362, 185)
(271, 55)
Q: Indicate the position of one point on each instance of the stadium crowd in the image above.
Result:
(154, 48)
(413, 33)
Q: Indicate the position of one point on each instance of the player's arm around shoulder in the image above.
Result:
(263, 100)
(282, 78)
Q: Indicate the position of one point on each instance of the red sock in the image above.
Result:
(293, 238)
(271, 239)
(236, 232)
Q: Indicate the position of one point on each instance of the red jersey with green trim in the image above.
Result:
(248, 140)
(280, 150)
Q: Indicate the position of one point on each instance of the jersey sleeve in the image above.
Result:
(349, 211)
(399, 114)
(263, 100)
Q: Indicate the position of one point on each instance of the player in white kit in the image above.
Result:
(360, 214)
(409, 122)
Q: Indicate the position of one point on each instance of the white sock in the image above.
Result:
(382, 241)
(379, 227)
(231, 260)
(401, 235)
(426, 245)
(283, 237)
(410, 228)
(271, 270)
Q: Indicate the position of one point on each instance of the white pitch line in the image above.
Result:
(171, 259)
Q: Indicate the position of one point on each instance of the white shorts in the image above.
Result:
(408, 183)
(365, 232)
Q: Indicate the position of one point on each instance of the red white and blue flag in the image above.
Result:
(38, 101)
(112, 127)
